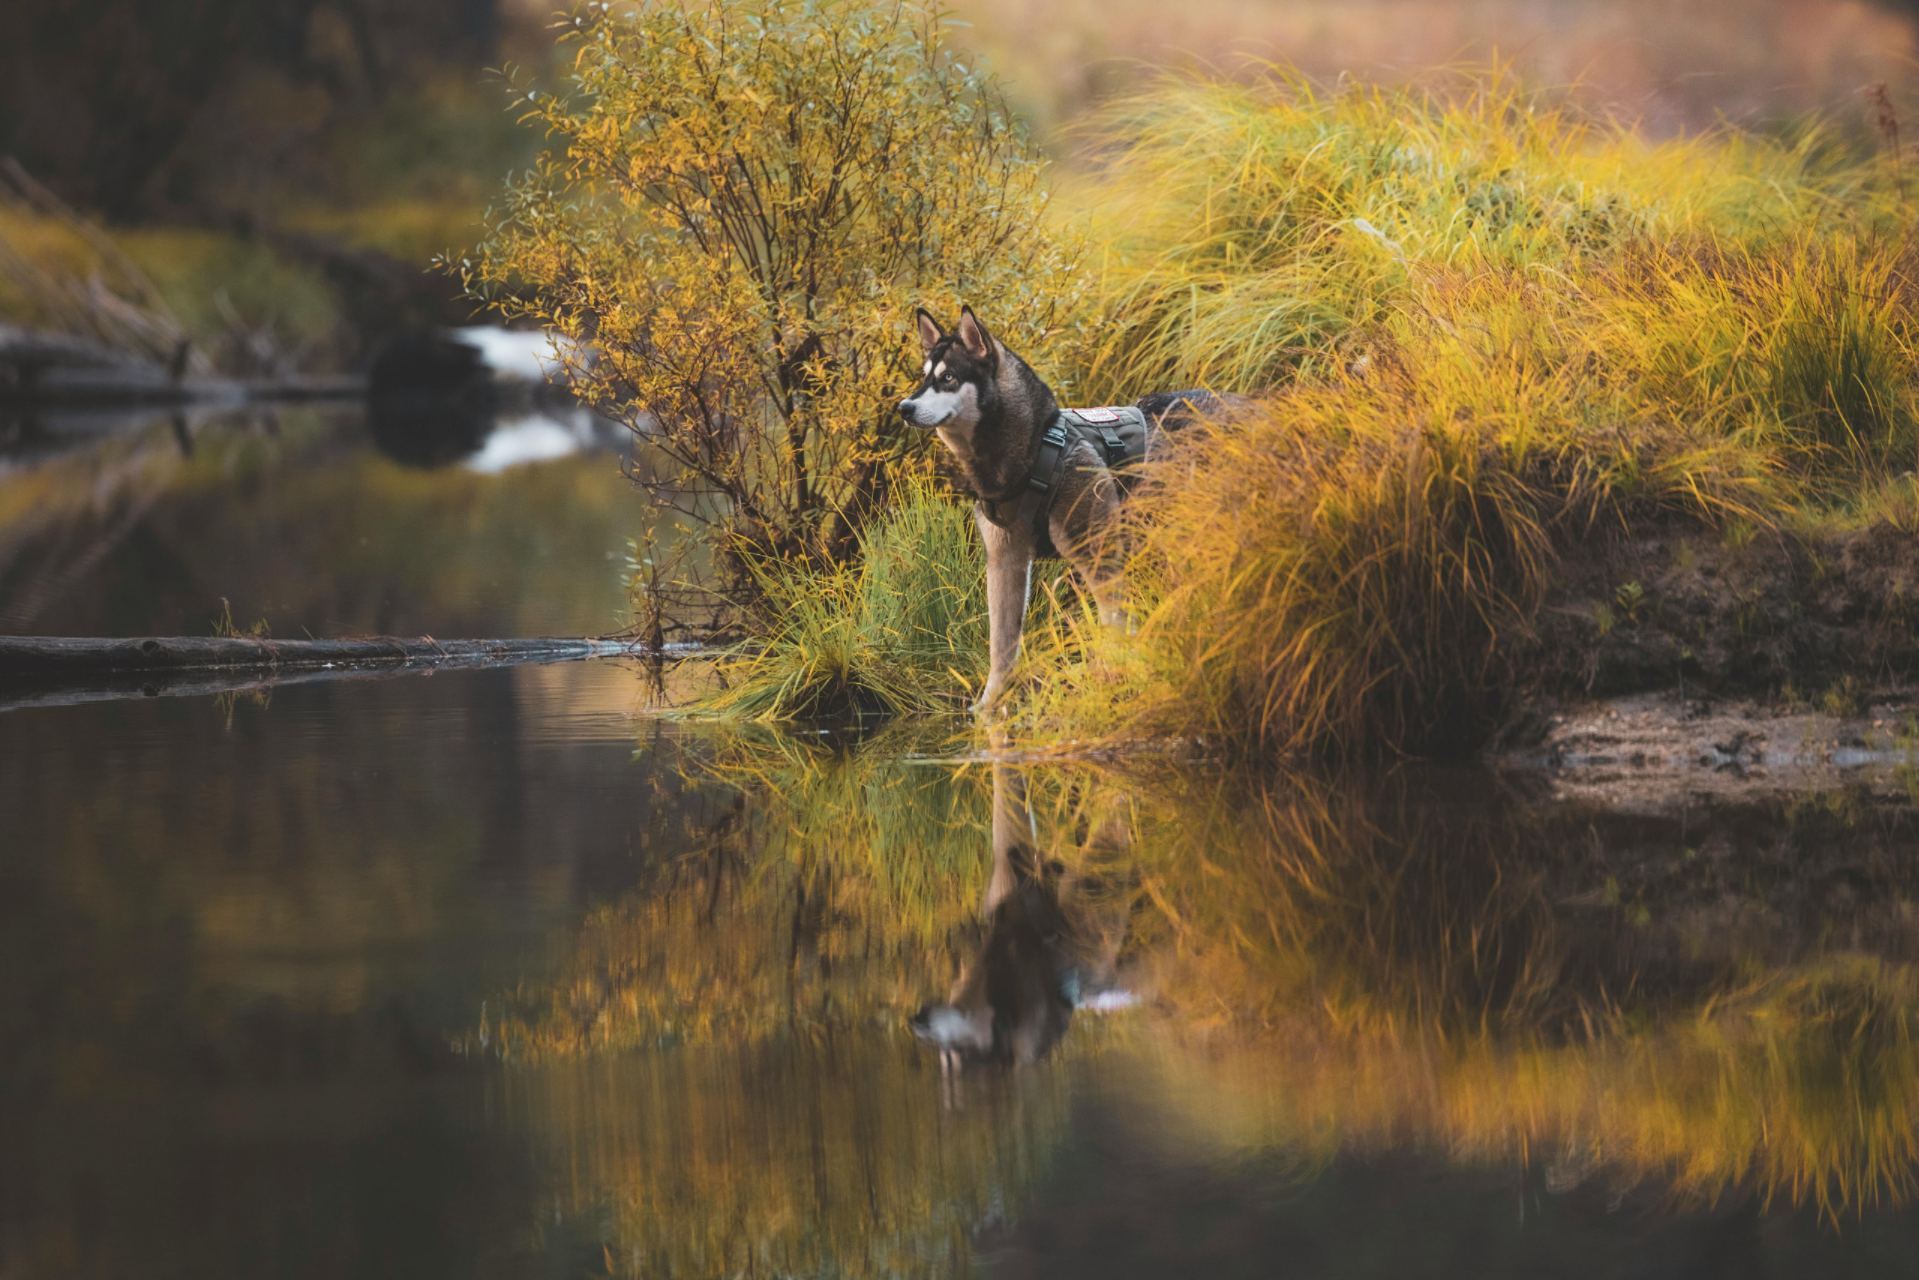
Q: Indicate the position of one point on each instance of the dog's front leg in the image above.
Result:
(1009, 584)
(1014, 837)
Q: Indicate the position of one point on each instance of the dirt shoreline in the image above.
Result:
(1680, 661)
(1830, 616)
(1647, 751)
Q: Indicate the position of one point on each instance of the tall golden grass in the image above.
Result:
(1480, 328)
(1249, 229)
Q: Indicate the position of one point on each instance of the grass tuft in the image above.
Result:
(902, 630)
(1254, 228)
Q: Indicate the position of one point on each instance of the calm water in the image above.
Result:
(496, 973)
(308, 522)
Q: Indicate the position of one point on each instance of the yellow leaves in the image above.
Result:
(747, 200)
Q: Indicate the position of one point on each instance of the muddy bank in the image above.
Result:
(1646, 752)
(1684, 662)
(1773, 615)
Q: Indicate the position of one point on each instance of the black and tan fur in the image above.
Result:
(989, 408)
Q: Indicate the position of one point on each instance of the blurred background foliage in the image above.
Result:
(305, 158)
(141, 108)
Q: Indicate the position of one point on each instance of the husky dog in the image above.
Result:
(993, 412)
(1046, 955)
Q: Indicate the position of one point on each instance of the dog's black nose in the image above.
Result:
(922, 1022)
(906, 411)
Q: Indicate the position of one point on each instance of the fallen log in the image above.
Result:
(57, 671)
(39, 658)
(119, 686)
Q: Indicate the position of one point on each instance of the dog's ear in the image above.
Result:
(930, 331)
(973, 336)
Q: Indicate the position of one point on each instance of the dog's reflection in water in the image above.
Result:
(1050, 950)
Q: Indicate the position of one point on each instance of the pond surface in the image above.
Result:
(311, 521)
(500, 973)
(489, 973)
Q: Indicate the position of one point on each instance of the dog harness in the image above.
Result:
(1117, 432)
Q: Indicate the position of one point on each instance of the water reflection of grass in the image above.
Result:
(772, 1118)
(834, 1158)
(1338, 966)
(1803, 1090)
(1386, 966)
(1379, 903)
(834, 889)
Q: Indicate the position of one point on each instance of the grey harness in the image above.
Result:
(1118, 432)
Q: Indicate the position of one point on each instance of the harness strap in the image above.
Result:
(1040, 477)
(1049, 459)
(1052, 453)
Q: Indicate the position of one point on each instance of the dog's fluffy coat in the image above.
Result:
(990, 410)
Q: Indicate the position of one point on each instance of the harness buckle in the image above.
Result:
(1041, 476)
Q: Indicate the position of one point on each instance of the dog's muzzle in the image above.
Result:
(909, 413)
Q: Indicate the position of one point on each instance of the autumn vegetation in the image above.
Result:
(1486, 332)
(736, 206)
(1481, 328)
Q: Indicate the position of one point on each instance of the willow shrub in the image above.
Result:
(737, 210)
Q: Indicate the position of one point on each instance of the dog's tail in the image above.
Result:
(1171, 410)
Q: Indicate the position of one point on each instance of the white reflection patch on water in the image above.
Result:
(535, 438)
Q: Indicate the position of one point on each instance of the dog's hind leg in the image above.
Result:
(1088, 528)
